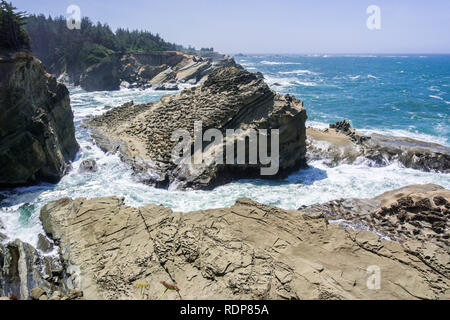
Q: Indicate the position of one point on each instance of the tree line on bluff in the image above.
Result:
(72, 51)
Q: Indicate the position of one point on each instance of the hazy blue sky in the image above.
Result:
(277, 26)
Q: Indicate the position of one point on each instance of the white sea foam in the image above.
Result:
(436, 97)
(274, 63)
(408, 134)
(298, 72)
(306, 84)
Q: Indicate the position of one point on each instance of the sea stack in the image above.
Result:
(230, 99)
(37, 134)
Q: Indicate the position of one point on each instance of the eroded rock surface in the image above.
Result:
(230, 98)
(418, 212)
(343, 144)
(37, 135)
(248, 251)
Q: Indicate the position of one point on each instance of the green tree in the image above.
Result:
(13, 36)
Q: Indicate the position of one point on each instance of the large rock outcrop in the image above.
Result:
(248, 251)
(149, 69)
(37, 135)
(343, 144)
(419, 212)
(230, 99)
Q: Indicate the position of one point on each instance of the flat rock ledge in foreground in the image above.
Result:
(248, 251)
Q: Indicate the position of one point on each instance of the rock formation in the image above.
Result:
(230, 98)
(37, 135)
(418, 212)
(149, 69)
(342, 144)
(23, 268)
(248, 251)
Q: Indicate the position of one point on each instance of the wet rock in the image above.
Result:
(125, 84)
(343, 144)
(248, 251)
(37, 134)
(230, 99)
(20, 270)
(416, 212)
(259, 75)
(88, 165)
(166, 87)
(44, 244)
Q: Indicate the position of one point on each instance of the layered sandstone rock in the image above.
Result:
(155, 69)
(37, 135)
(248, 251)
(418, 212)
(342, 144)
(232, 99)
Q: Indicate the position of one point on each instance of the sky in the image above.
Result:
(276, 26)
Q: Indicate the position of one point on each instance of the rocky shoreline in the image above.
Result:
(160, 70)
(342, 144)
(248, 251)
(101, 248)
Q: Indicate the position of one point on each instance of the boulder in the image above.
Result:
(125, 84)
(44, 244)
(89, 165)
(231, 99)
(37, 134)
(249, 251)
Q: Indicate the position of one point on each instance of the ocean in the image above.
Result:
(400, 95)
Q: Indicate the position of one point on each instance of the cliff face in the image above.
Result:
(37, 135)
(248, 251)
(230, 99)
(149, 69)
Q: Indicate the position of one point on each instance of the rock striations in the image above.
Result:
(343, 144)
(160, 70)
(230, 98)
(37, 135)
(248, 251)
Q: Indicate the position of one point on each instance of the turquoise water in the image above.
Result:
(393, 95)
(398, 95)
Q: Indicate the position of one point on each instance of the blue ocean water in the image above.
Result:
(407, 95)
(397, 95)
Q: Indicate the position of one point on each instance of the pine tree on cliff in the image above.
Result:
(13, 36)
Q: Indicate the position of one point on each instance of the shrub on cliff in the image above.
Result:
(13, 36)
